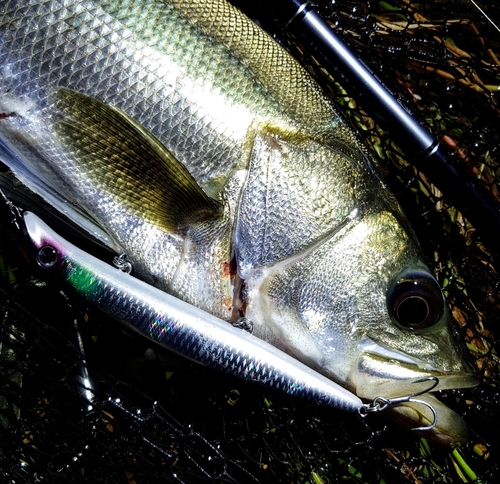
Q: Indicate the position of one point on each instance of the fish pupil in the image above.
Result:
(46, 256)
(413, 310)
(415, 300)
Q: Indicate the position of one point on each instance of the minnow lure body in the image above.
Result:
(181, 327)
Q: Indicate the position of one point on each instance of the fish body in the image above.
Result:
(183, 136)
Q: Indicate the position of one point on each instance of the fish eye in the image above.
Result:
(415, 300)
(46, 256)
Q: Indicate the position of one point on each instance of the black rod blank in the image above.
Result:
(418, 144)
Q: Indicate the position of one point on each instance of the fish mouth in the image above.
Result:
(383, 371)
(391, 374)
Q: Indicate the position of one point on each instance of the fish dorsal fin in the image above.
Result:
(128, 163)
(279, 72)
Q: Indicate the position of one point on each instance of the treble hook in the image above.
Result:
(379, 404)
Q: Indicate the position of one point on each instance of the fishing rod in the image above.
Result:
(422, 148)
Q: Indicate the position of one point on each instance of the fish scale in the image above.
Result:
(98, 67)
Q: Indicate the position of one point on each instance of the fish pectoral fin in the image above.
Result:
(126, 162)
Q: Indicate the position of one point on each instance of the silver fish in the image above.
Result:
(183, 136)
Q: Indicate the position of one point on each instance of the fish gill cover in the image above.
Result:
(155, 418)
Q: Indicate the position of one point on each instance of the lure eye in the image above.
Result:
(47, 256)
(415, 300)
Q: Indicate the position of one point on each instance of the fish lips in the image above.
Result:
(383, 371)
(388, 373)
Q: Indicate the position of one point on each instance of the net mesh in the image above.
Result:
(83, 400)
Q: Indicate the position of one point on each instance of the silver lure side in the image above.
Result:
(181, 327)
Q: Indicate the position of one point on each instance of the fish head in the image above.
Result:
(360, 306)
